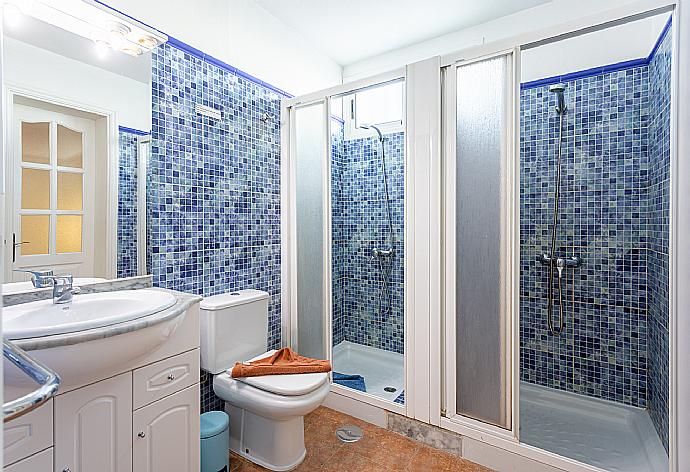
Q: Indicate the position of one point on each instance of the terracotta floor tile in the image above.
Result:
(395, 452)
(428, 459)
(379, 451)
(347, 461)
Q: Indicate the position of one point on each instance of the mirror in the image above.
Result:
(77, 122)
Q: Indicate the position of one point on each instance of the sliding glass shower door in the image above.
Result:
(310, 294)
(480, 235)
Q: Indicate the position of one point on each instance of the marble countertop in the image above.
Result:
(35, 294)
(184, 302)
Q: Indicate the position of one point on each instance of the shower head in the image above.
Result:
(559, 90)
(368, 126)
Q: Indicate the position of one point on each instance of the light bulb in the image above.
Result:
(148, 42)
(132, 50)
(117, 33)
(102, 48)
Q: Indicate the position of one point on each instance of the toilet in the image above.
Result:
(266, 413)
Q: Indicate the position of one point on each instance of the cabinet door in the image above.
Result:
(93, 427)
(166, 434)
(41, 462)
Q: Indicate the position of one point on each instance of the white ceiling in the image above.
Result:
(352, 30)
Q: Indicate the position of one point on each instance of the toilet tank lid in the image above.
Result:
(225, 300)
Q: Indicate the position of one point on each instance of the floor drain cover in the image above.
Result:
(349, 433)
(390, 389)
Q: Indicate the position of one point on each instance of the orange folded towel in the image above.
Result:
(283, 361)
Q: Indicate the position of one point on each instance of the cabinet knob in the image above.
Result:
(66, 469)
(171, 377)
(141, 434)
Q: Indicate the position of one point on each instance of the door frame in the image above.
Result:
(110, 146)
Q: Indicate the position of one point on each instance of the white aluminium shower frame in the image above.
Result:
(425, 321)
(288, 226)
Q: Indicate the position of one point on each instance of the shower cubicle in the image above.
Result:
(349, 215)
(482, 242)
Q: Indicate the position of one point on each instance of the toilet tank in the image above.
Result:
(234, 328)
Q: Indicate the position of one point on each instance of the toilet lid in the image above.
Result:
(288, 385)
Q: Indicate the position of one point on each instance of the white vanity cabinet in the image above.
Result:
(142, 418)
(98, 429)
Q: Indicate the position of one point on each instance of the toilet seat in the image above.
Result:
(288, 384)
(265, 403)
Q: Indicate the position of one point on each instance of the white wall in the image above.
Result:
(617, 44)
(58, 76)
(244, 35)
(542, 16)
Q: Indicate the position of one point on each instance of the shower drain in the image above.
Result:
(349, 433)
(390, 389)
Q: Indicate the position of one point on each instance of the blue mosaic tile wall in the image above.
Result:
(215, 185)
(614, 205)
(657, 238)
(127, 205)
(602, 352)
(360, 225)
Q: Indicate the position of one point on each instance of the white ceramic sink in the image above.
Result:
(89, 311)
(96, 335)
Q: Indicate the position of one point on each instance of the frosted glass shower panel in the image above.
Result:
(310, 157)
(482, 273)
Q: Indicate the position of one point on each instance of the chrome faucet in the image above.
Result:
(63, 290)
(377, 253)
(39, 278)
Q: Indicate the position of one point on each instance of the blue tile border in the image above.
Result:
(138, 132)
(202, 55)
(618, 66)
(660, 39)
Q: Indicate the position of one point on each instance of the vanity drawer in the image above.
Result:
(165, 377)
(28, 434)
(41, 462)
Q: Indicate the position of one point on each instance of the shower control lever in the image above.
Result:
(376, 252)
(573, 261)
(560, 265)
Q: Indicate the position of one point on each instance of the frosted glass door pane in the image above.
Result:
(69, 147)
(36, 142)
(69, 191)
(309, 160)
(35, 231)
(481, 277)
(35, 189)
(68, 234)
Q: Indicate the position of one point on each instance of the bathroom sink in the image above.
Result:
(95, 335)
(96, 310)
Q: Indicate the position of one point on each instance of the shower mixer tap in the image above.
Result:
(560, 262)
(377, 253)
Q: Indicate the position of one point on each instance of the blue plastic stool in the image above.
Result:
(215, 442)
